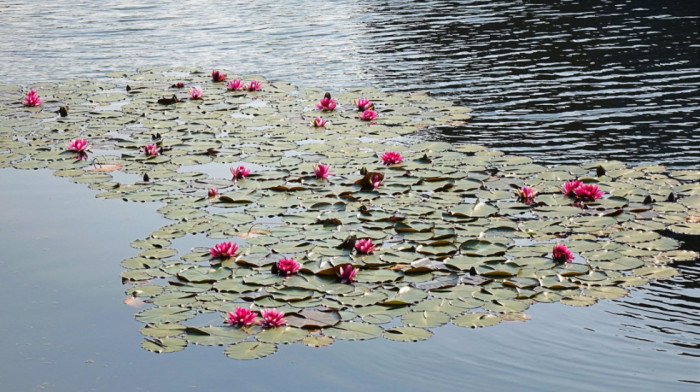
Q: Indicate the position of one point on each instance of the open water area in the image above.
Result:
(570, 81)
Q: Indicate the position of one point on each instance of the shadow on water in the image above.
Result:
(67, 329)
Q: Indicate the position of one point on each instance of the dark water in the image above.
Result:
(556, 81)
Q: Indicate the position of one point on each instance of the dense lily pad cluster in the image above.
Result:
(439, 236)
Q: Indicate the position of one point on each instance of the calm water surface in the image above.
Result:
(556, 82)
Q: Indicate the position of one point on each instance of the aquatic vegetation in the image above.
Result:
(347, 273)
(368, 115)
(363, 104)
(196, 93)
(272, 318)
(178, 85)
(217, 76)
(455, 246)
(212, 192)
(239, 172)
(78, 145)
(242, 317)
(287, 267)
(327, 104)
(570, 186)
(318, 122)
(235, 85)
(526, 195)
(391, 158)
(364, 246)
(224, 250)
(150, 150)
(32, 99)
(322, 171)
(254, 85)
(561, 254)
(588, 192)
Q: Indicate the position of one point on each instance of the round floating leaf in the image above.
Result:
(164, 345)
(476, 320)
(163, 330)
(250, 350)
(318, 341)
(215, 336)
(283, 335)
(426, 319)
(164, 314)
(578, 301)
(407, 334)
(352, 330)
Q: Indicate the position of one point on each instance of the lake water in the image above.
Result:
(566, 82)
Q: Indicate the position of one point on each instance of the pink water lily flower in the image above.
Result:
(318, 122)
(364, 104)
(327, 104)
(78, 145)
(178, 85)
(150, 150)
(368, 115)
(235, 85)
(212, 192)
(32, 99)
(224, 250)
(217, 76)
(242, 317)
(570, 186)
(321, 171)
(526, 195)
(364, 246)
(588, 192)
(272, 318)
(254, 85)
(560, 254)
(347, 273)
(239, 172)
(287, 267)
(196, 93)
(376, 182)
(391, 157)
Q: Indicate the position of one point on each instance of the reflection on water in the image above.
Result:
(557, 81)
(67, 329)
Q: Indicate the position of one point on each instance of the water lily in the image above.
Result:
(287, 267)
(376, 182)
(560, 254)
(391, 157)
(77, 145)
(241, 316)
(364, 246)
(217, 76)
(570, 186)
(368, 115)
(321, 171)
(150, 150)
(212, 192)
(346, 273)
(239, 172)
(179, 85)
(196, 93)
(327, 104)
(224, 250)
(254, 85)
(272, 318)
(235, 85)
(32, 99)
(526, 194)
(318, 122)
(588, 192)
(364, 104)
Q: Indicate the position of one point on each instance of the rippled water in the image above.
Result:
(556, 81)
